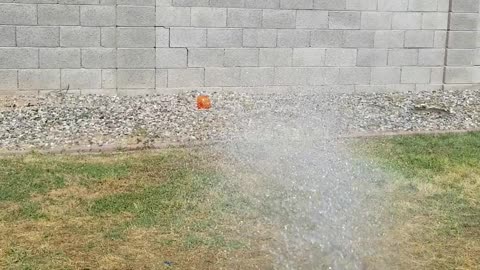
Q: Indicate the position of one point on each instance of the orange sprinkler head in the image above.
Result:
(204, 103)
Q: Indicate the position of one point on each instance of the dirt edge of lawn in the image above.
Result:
(94, 149)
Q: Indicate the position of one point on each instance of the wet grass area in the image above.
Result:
(195, 209)
(434, 199)
(151, 210)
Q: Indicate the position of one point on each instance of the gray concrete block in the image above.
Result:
(340, 57)
(81, 79)
(372, 57)
(292, 76)
(440, 39)
(275, 57)
(443, 5)
(208, 17)
(376, 20)
(361, 5)
(36, 36)
(389, 5)
(465, 5)
(386, 75)
(324, 76)
(136, 15)
(99, 58)
(296, 4)
(423, 5)
(108, 37)
(96, 15)
(279, 18)
(192, 77)
(476, 60)
(224, 38)
(431, 57)
(171, 58)
(272, 4)
(476, 75)
(136, 58)
(344, 20)
(462, 39)
(437, 75)
(402, 57)
(435, 20)
(241, 57)
(419, 39)
(291, 38)
(136, 78)
(327, 38)
(407, 20)
(260, 38)
(15, 14)
(222, 76)
(58, 15)
(227, 3)
(7, 36)
(389, 39)
(35, 79)
(460, 57)
(184, 3)
(76, 36)
(248, 18)
(416, 75)
(187, 3)
(188, 37)
(354, 75)
(136, 37)
(109, 78)
(359, 39)
(308, 57)
(205, 57)
(257, 76)
(18, 58)
(162, 37)
(329, 4)
(59, 58)
(314, 19)
(134, 2)
(463, 21)
(173, 16)
(8, 79)
(161, 78)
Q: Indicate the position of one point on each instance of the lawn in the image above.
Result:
(434, 199)
(152, 210)
(182, 209)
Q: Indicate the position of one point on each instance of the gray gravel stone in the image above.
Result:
(58, 120)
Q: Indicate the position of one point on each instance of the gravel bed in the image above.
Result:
(63, 121)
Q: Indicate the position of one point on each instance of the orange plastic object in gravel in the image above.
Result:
(204, 103)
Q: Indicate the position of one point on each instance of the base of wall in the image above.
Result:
(260, 90)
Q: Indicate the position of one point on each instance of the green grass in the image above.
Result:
(435, 196)
(119, 211)
(135, 211)
(23, 177)
(427, 156)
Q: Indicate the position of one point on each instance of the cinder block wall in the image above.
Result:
(148, 46)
